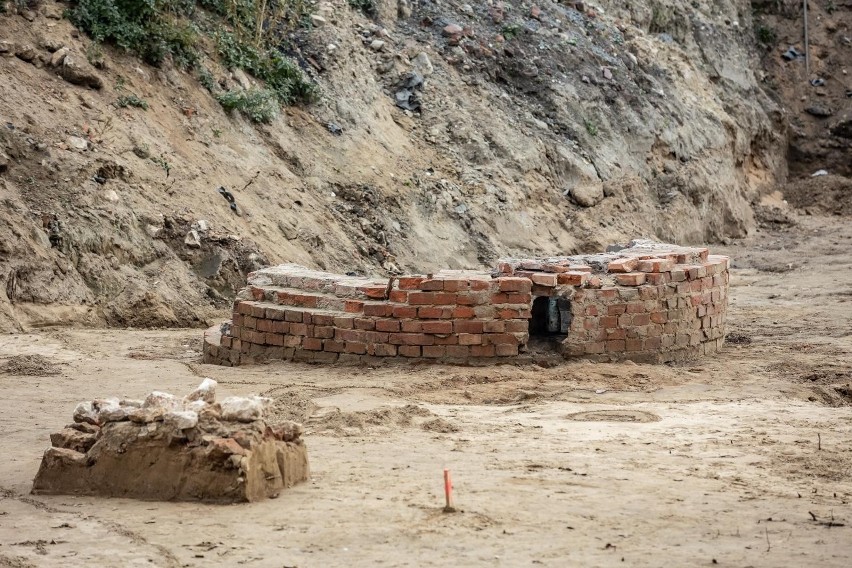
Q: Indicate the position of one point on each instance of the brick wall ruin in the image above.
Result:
(647, 302)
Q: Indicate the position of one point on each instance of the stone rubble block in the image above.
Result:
(172, 448)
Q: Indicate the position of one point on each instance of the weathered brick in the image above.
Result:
(387, 325)
(298, 329)
(616, 309)
(471, 338)
(431, 298)
(608, 322)
(292, 340)
(374, 292)
(376, 337)
(573, 278)
(322, 319)
(404, 312)
(482, 351)
(263, 325)
(608, 293)
(348, 335)
(409, 350)
(411, 339)
(365, 323)
(411, 326)
(509, 313)
(696, 272)
(455, 285)
(494, 326)
(410, 282)
(514, 326)
(514, 284)
(333, 346)
(595, 348)
(344, 322)
(434, 312)
(356, 347)
(431, 285)
(463, 312)
(511, 298)
(480, 284)
(657, 279)
(312, 344)
(499, 339)
(437, 327)
(382, 350)
(659, 317)
(446, 339)
(651, 343)
(378, 310)
(544, 279)
(434, 351)
(615, 345)
(623, 265)
(323, 331)
(655, 265)
(353, 306)
(274, 339)
(458, 351)
(468, 326)
(615, 334)
(633, 345)
(398, 296)
(506, 350)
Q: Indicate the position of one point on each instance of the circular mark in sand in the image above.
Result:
(613, 416)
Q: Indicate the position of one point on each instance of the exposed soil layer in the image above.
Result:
(740, 458)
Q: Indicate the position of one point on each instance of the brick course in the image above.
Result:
(649, 302)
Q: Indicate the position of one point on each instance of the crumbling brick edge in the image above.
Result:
(648, 302)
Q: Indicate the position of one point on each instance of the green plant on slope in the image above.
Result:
(259, 105)
(131, 101)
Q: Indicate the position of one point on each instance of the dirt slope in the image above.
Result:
(552, 128)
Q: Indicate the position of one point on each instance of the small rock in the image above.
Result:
(192, 239)
(6, 46)
(535, 13)
(84, 412)
(202, 225)
(587, 195)
(73, 439)
(78, 143)
(153, 231)
(111, 196)
(451, 30)
(145, 415)
(819, 111)
(467, 9)
(206, 392)
(26, 53)
(240, 409)
(422, 64)
(607, 73)
(164, 400)
(819, 173)
(377, 45)
(181, 419)
(78, 72)
(318, 21)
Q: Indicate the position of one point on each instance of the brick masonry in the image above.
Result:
(646, 302)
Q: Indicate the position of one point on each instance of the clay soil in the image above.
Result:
(742, 459)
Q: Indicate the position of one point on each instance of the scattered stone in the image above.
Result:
(164, 400)
(78, 143)
(6, 46)
(792, 54)
(819, 111)
(244, 409)
(607, 73)
(318, 21)
(422, 65)
(452, 30)
(78, 72)
(192, 239)
(182, 419)
(26, 52)
(377, 45)
(819, 173)
(406, 95)
(206, 392)
(587, 195)
(535, 13)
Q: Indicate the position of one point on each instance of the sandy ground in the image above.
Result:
(743, 459)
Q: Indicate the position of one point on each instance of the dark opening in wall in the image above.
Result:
(550, 316)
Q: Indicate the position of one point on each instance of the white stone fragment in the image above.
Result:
(164, 400)
(244, 409)
(195, 405)
(181, 419)
(85, 413)
(206, 392)
(130, 402)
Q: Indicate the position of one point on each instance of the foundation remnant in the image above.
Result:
(168, 448)
(644, 301)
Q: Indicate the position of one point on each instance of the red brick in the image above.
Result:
(544, 279)
(376, 337)
(263, 325)
(494, 326)
(322, 319)
(409, 350)
(623, 265)
(398, 296)
(591, 311)
(652, 343)
(555, 268)
(655, 265)
(615, 345)
(356, 347)
(608, 322)
(404, 312)
(608, 293)
(383, 350)
(411, 339)
(659, 317)
(616, 309)
(410, 282)
(468, 326)
(696, 272)
(616, 334)
(344, 322)
(257, 293)
(506, 350)
(274, 339)
(312, 344)
(511, 298)
(353, 306)
(470, 339)
(635, 308)
(498, 339)
(456, 285)
(594, 348)
(508, 313)
(292, 340)
(517, 326)
(306, 300)
(480, 285)
(431, 285)
(633, 345)
(434, 351)
(437, 327)
(434, 312)
(513, 284)
(446, 339)
(458, 351)
(374, 292)
(365, 323)
(658, 278)
(298, 329)
(482, 351)
(412, 326)
(378, 310)
(463, 312)
(348, 335)
(630, 279)
(387, 325)
(323, 331)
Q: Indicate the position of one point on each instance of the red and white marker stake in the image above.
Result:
(448, 490)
